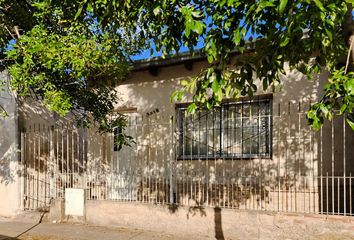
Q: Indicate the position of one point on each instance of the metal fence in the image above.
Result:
(308, 172)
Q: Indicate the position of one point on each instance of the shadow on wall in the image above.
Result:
(291, 153)
(149, 171)
(195, 210)
(8, 137)
(8, 150)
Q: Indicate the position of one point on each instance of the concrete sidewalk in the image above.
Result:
(54, 231)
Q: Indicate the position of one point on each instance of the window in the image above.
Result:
(234, 130)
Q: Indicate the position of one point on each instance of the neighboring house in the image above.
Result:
(254, 153)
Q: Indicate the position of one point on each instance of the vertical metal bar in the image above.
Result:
(157, 175)
(207, 171)
(22, 188)
(34, 166)
(171, 190)
(51, 160)
(332, 142)
(233, 150)
(350, 195)
(47, 163)
(242, 153)
(312, 173)
(148, 162)
(321, 166)
(67, 164)
(278, 160)
(253, 174)
(287, 155)
(327, 205)
(111, 140)
(222, 181)
(200, 169)
(38, 166)
(78, 146)
(259, 151)
(298, 154)
(344, 170)
(56, 169)
(338, 194)
(62, 159)
(305, 192)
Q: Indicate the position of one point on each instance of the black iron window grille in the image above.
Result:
(234, 130)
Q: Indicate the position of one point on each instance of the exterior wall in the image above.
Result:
(148, 171)
(214, 223)
(9, 178)
(299, 155)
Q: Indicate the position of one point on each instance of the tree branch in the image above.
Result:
(351, 39)
(3, 112)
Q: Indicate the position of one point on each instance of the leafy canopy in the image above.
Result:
(308, 35)
(70, 51)
(65, 59)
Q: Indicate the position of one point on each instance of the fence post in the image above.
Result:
(171, 162)
(22, 171)
(51, 164)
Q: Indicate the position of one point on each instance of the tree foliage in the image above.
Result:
(66, 59)
(70, 51)
(308, 35)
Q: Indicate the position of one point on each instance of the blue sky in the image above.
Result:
(146, 54)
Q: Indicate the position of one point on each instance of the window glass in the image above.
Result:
(233, 130)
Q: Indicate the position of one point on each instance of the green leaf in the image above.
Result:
(319, 5)
(192, 108)
(210, 59)
(180, 95)
(237, 36)
(79, 11)
(157, 10)
(198, 27)
(285, 42)
(184, 82)
(349, 86)
(343, 108)
(219, 95)
(215, 86)
(326, 111)
(351, 123)
(282, 5)
(90, 7)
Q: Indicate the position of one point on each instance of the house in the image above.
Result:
(253, 153)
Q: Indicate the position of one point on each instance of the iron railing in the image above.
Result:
(308, 172)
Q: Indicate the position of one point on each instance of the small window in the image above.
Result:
(233, 130)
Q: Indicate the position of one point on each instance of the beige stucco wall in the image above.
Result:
(9, 178)
(147, 93)
(299, 155)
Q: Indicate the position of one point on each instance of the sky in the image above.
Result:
(146, 54)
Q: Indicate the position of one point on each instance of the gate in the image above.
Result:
(51, 160)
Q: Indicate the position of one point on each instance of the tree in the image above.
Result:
(65, 60)
(309, 35)
(82, 46)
